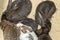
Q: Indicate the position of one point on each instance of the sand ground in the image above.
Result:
(55, 31)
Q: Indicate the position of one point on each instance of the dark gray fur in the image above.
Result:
(17, 10)
(44, 13)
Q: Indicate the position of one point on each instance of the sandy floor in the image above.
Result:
(55, 31)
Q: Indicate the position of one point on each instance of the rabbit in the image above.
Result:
(17, 10)
(44, 13)
(10, 30)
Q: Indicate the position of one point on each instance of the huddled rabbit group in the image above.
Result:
(17, 26)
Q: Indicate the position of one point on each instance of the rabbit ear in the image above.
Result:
(47, 9)
(44, 12)
(38, 18)
(9, 4)
(52, 11)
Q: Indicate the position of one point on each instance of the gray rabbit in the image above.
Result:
(17, 10)
(44, 13)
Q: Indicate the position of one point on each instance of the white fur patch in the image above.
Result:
(28, 35)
